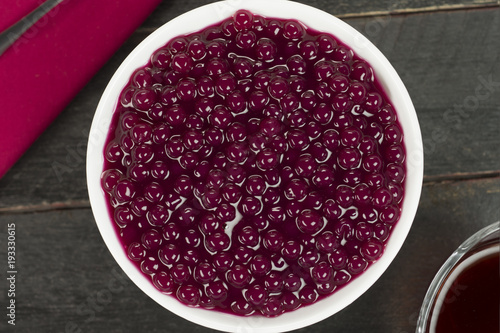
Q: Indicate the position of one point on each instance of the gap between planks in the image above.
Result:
(45, 207)
(461, 176)
(85, 204)
(428, 9)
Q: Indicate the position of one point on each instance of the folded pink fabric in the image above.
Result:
(51, 62)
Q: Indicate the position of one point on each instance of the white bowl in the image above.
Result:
(196, 20)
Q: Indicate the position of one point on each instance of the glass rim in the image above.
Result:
(465, 250)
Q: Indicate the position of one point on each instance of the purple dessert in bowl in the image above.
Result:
(255, 165)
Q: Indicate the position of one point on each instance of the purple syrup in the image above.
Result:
(471, 302)
(254, 167)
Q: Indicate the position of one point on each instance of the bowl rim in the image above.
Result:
(317, 19)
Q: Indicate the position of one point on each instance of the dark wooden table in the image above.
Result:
(447, 53)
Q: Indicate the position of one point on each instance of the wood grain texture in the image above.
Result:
(344, 9)
(68, 278)
(442, 57)
(369, 8)
(450, 64)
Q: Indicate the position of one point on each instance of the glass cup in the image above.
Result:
(464, 294)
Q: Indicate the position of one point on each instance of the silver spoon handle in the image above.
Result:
(14, 32)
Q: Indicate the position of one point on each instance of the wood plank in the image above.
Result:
(442, 58)
(66, 276)
(369, 8)
(450, 65)
(345, 9)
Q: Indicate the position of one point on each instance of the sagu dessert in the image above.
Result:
(254, 167)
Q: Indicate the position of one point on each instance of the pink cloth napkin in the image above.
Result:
(51, 62)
